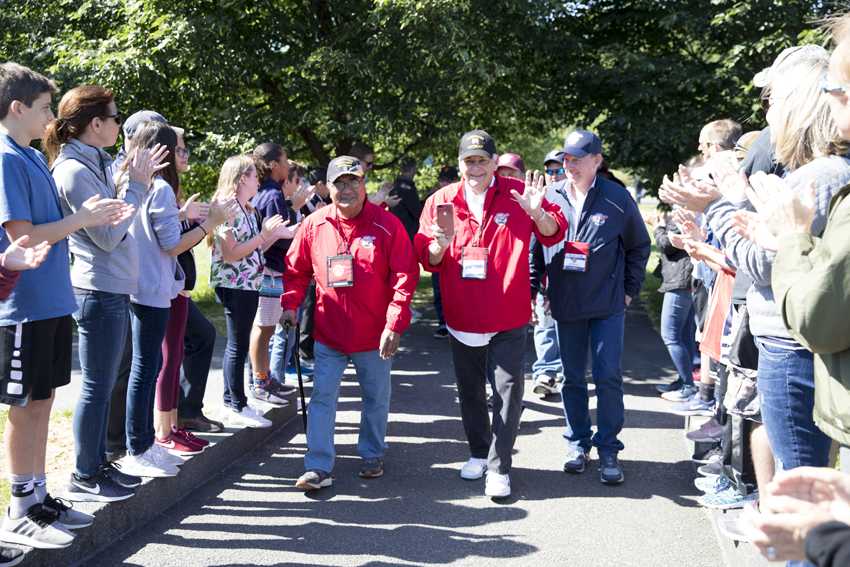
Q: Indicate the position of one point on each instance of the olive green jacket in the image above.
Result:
(811, 281)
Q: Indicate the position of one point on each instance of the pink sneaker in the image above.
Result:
(176, 446)
(188, 438)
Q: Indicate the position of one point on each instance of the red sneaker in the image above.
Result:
(188, 438)
(696, 375)
(176, 446)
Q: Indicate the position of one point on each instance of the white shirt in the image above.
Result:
(475, 202)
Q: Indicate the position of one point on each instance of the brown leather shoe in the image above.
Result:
(201, 423)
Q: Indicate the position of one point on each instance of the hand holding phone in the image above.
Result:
(446, 219)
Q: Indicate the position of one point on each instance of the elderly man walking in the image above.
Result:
(365, 272)
(475, 234)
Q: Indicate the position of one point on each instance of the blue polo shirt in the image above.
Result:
(28, 193)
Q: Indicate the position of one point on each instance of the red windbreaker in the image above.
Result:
(502, 301)
(351, 319)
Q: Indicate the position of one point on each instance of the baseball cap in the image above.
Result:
(581, 143)
(477, 143)
(317, 174)
(514, 161)
(448, 173)
(344, 165)
(554, 156)
(132, 123)
(789, 56)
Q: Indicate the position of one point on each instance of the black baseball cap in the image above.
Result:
(477, 143)
(555, 156)
(581, 143)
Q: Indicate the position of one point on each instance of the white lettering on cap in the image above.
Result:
(476, 143)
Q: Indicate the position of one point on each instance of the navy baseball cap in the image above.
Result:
(556, 156)
(581, 143)
(477, 143)
(132, 123)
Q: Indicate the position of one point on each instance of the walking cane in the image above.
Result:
(298, 372)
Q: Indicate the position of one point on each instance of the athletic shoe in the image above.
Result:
(68, 517)
(473, 469)
(177, 446)
(99, 488)
(728, 499)
(713, 468)
(712, 485)
(694, 406)
(415, 316)
(497, 485)
(709, 456)
(247, 417)
(280, 389)
(314, 480)
(114, 472)
(143, 465)
(708, 432)
(441, 333)
(115, 455)
(672, 386)
(576, 461)
(201, 423)
(371, 468)
(264, 392)
(610, 471)
(683, 394)
(545, 384)
(10, 556)
(40, 528)
(161, 455)
(187, 437)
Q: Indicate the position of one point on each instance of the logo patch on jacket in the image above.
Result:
(501, 218)
(598, 219)
(367, 241)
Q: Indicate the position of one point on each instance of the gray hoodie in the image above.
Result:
(104, 257)
(829, 175)
(157, 229)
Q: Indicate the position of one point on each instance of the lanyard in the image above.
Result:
(485, 217)
(251, 230)
(346, 240)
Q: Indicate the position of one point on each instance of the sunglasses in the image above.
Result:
(559, 171)
(117, 117)
(834, 88)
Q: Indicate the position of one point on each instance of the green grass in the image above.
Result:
(203, 295)
(649, 295)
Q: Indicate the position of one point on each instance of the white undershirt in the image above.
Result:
(475, 202)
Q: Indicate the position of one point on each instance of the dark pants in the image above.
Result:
(308, 309)
(605, 339)
(240, 307)
(116, 437)
(438, 298)
(501, 361)
(199, 345)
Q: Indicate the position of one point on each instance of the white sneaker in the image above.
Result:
(161, 456)
(473, 469)
(497, 485)
(143, 465)
(248, 417)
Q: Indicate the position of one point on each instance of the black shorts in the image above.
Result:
(35, 358)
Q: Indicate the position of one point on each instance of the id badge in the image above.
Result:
(341, 270)
(575, 256)
(474, 263)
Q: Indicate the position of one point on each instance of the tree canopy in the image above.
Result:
(410, 76)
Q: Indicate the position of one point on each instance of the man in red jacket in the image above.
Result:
(365, 271)
(484, 282)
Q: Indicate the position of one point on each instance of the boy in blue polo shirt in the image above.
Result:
(35, 321)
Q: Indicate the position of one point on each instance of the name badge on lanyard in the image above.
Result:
(474, 263)
(576, 255)
(341, 270)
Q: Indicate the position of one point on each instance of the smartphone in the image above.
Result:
(446, 219)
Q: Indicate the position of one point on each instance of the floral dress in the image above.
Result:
(246, 273)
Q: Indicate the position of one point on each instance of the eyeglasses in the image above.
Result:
(117, 117)
(182, 152)
(350, 184)
(559, 171)
(834, 88)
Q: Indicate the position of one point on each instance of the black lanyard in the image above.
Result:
(337, 224)
(485, 215)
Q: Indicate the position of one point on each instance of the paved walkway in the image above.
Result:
(421, 512)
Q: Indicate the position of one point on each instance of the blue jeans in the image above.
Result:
(786, 385)
(545, 343)
(282, 348)
(373, 373)
(148, 327)
(605, 339)
(678, 327)
(240, 307)
(102, 323)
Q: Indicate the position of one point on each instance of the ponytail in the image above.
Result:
(77, 109)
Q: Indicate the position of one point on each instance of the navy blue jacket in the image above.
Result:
(619, 249)
(268, 202)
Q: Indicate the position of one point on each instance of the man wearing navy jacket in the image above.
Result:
(593, 275)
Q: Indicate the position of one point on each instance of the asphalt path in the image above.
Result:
(422, 513)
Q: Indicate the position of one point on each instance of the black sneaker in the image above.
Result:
(99, 488)
(576, 461)
(202, 424)
(371, 468)
(610, 471)
(671, 387)
(441, 333)
(114, 472)
(66, 515)
(10, 556)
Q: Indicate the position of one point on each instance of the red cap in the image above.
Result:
(511, 160)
